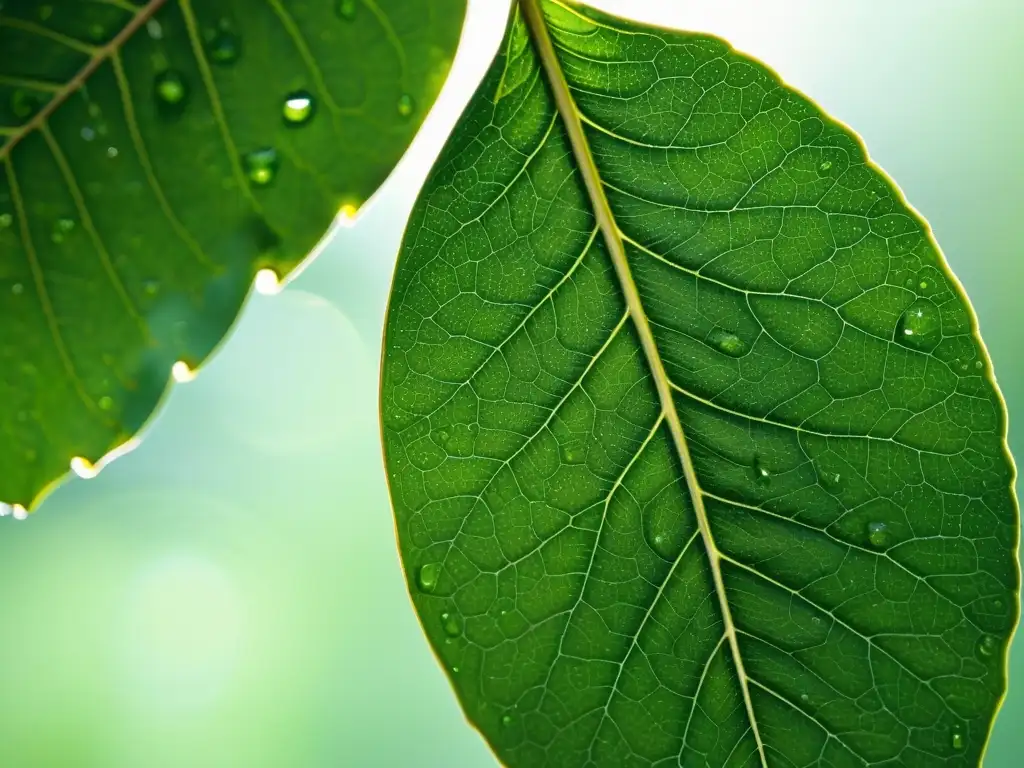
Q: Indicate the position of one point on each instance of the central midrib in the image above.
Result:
(535, 22)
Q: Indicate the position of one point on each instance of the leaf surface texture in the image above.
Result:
(851, 602)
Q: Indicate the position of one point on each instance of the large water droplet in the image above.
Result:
(298, 108)
(727, 342)
(171, 88)
(988, 646)
(451, 623)
(406, 105)
(920, 327)
(224, 47)
(261, 166)
(428, 576)
(957, 739)
(878, 535)
(347, 9)
(761, 475)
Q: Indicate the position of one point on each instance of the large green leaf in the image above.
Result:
(153, 159)
(696, 455)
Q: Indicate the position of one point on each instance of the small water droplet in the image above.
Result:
(455, 670)
(112, 152)
(506, 719)
(727, 342)
(816, 620)
(6, 220)
(923, 285)
(224, 47)
(428, 576)
(155, 30)
(761, 475)
(909, 282)
(804, 697)
(298, 108)
(261, 166)
(151, 287)
(958, 740)
(920, 326)
(988, 646)
(347, 9)
(171, 88)
(87, 133)
(978, 364)
(106, 403)
(825, 165)
(17, 289)
(406, 105)
(451, 623)
(878, 535)
(61, 228)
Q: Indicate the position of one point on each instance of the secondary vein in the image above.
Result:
(535, 22)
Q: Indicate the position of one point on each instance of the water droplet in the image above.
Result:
(225, 47)
(804, 697)
(151, 287)
(6, 220)
(106, 403)
(727, 342)
(909, 282)
(17, 289)
(112, 152)
(761, 475)
(923, 285)
(347, 9)
(978, 364)
(958, 739)
(878, 535)
(154, 29)
(920, 327)
(298, 108)
(171, 88)
(451, 622)
(825, 165)
(988, 646)
(506, 719)
(572, 454)
(428, 577)
(61, 228)
(455, 670)
(87, 133)
(261, 166)
(406, 105)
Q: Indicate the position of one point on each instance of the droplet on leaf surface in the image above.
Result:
(347, 9)
(920, 326)
(261, 166)
(428, 576)
(298, 108)
(406, 105)
(171, 88)
(878, 535)
(727, 342)
(451, 622)
(988, 646)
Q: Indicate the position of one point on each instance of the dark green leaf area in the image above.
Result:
(845, 431)
(152, 160)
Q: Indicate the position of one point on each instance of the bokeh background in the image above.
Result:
(230, 594)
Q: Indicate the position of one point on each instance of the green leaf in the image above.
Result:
(153, 159)
(695, 452)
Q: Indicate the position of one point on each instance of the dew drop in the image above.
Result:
(298, 108)
(451, 623)
(878, 535)
(225, 47)
(171, 88)
(920, 326)
(112, 152)
(455, 670)
(261, 166)
(61, 228)
(87, 133)
(106, 403)
(406, 105)
(347, 9)
(428, 576)
(761, 475)
(988, 646)
(155, 30)
(17, 289)
(978, 364)
(151, 287)
(958, 739)
(804, 698)
(6, 220)
(727, 342)
(506, 719)
(825, 165)
(923, 285)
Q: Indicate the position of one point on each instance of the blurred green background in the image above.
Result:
(230, 594)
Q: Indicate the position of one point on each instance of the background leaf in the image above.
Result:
(154, 159)
(845, 430)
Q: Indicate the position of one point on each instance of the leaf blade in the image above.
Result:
(531, 480)
(152, 166)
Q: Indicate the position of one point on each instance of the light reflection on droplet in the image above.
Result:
(267, 282)
(182, 373)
